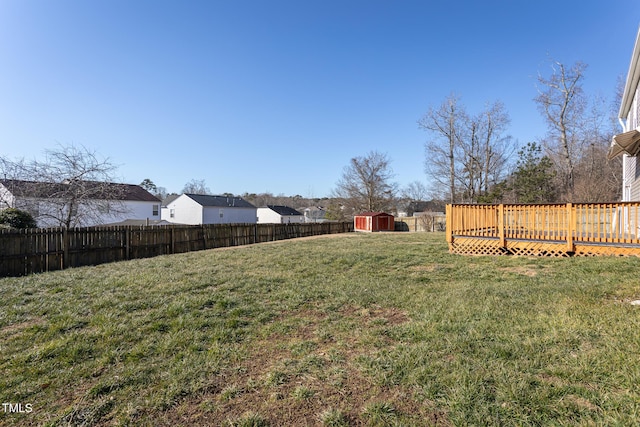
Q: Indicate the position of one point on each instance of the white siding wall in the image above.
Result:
(631, 168)
(6, 198)
(294, 219)
(186, 211)
(140, 210)
(229, 215)
(46, 213)
(269, 216)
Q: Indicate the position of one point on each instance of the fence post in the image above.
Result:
(127, 243)
(570, 227)
(46, 257)
(203, 227)
(66, 242)
(501, 226)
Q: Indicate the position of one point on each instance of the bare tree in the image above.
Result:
(196, 186)
(413, 196)
(472, 152)
(161, 193)
(416, 191)
(497, 146)
(597, 179)
(366, 184)
(562, 103)
(72, 186)
(445, 124)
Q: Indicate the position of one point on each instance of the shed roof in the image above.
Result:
(374, 214)
(220, 201)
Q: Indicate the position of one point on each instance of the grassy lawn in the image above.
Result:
(357, 329)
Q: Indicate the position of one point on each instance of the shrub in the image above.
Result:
(16, 218)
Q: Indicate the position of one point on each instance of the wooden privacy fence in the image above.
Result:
(551, 229)
(430, 222)
(47, 249)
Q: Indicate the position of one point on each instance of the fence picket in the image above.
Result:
(47, 249)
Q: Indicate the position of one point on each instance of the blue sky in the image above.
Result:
(277, 95)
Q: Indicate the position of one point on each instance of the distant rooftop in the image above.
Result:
(93, 189)
(220, 201)
(284, 210)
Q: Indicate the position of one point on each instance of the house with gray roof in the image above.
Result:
(196, 209)
(79, 203)
(276, 214)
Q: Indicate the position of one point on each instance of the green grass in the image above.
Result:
(357, 329)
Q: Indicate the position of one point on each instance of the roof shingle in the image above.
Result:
(284, 210)
(91, 189)
(220, 201)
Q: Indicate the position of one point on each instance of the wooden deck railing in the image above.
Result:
(571, 224)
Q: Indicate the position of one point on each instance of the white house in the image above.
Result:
(279, 215)
(627, 143)
(195, 209)
(314, 214)
(55, 205)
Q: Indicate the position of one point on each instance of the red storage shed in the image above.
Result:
(374, 221)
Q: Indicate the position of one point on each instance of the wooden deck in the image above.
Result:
(560, 230)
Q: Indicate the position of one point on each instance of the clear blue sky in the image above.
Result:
(278, 95)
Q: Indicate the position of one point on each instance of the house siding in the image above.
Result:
(45, 212)
(113, 212)
(269, 216)
(228, 215)
(141, 210)
(137, 204)
(7, 199)
(186, 211)
(631, 168)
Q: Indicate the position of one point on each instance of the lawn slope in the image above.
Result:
(355, 329)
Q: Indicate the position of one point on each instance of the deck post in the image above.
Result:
(501, 227)
(448, 223)
(571, 224)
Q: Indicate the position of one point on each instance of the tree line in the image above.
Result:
(469, 157)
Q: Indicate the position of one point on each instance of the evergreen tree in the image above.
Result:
(533, 180)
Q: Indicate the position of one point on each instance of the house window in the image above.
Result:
(172, 213)
(155, 210)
